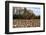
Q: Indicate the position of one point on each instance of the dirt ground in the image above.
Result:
(18, 23)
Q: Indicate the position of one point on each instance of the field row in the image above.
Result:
(26, 23)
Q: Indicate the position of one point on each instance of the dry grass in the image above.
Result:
(26, 23)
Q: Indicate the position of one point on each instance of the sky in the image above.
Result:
(36, 11)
